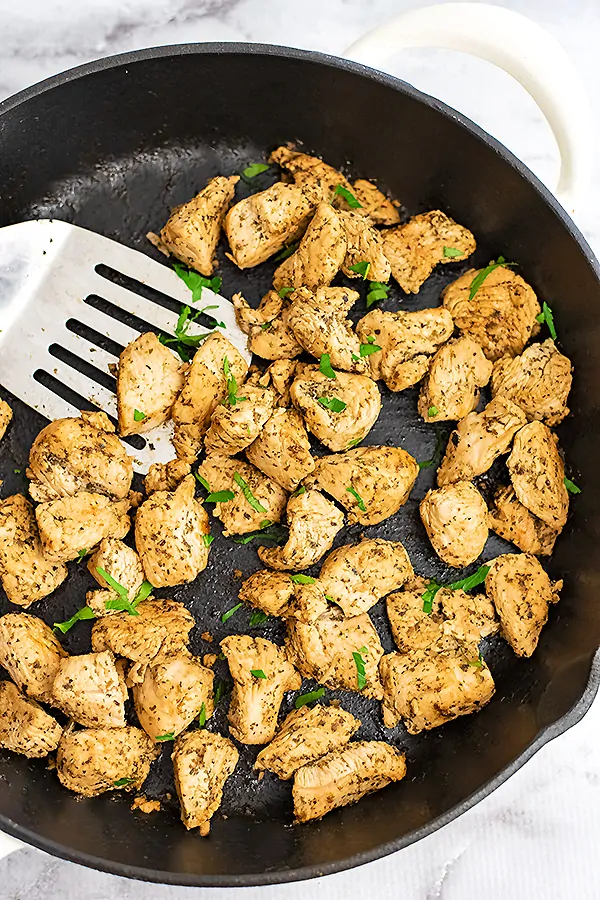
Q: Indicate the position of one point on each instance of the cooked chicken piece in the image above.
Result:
(313, 522)
(309, 603)
(71, 524)
(25, 573)
(121, 563)
(202, 763)
(169, 534)
(317, 397)
(6, 415)
(270, 591)
(149, 380)
(450, 388)
(239, 515)
(319, 256)
(312, 173)
(538, 474)
(345, 776)
(416, 248)
(321, 325)
(501, 315)
(264, 223)
(513, 521)
(205, 386)
(282, 449)
(364, 244)
(159, 632)
(380, 210)
(192, 230)
(95, 760)
(280, 375)
(166, 476)
(261, 673)
(467, 617)
(328, 650)
(382, 477)
(30, 653)
(91, 690)
(521, 592)
(24, 726)
(479, 439)
(407, 341)
(412, 628)
(432, 686)
(172, 695)
(269, 334)
(539, 381)
(233, 428)
(455, 519)
(306, 735)
(357, 576)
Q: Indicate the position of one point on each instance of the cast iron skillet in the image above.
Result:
(113, 146)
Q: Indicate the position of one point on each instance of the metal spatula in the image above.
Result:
(51, 288)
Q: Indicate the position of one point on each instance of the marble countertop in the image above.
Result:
(537, 835)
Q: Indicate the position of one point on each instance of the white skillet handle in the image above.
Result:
(520, 47)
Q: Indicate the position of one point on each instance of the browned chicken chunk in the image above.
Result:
(25, 573)
(282, 449)
(261, 673)
(312, 173)
(521, 592)
(71, 524)
(234, 427)
(357, 576)
(202, 763)
(123, 565)
(538, 474)
(149, 380)
(95, 760)
(6, 415)
(313, 522)
(256, 498)
(539, 381)
(24, 726)
(501, 314)
(267, 327)
(280, 375)
(320, 324)
(413, 628)
(450, 390)
(306, 735)
(513, 521)
(345, 776)
(270, 591)
(172, 694)
(166, 476)
(455, 519)
(320, 254)
(416, 248)
(375, 204)
(91, 690)
(30, 653)
(364, 244)
(467, 617)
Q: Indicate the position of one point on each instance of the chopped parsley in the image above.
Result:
(84, 613)
(361, 268)
(547, 316)
(361, 678)
(299, 490)
(432, 411)
(477, 663)
(283, 292)
(359, 500)
(377, 291)
(183, 340)
(255, 169)
(219, 497)
(333, 404)
(138, 416)
(353, 443)
(202, 481)
(437, 453)
(81, 555)
(302, 579)
(221, 688)
(310, 697)
(122, 782)
(369, 347)
(230, 612)
(273, 534)
(452, 252)
(348, 196)
(122, 602)
(202, 716)
(258, 673)
(257, 618)
(266, 325)
(429, 596)
(232, 384)
(464, 584)
(481, 276)
(17, 471)
(325, 366)
(169, 736)
(571, 486)
(248, 493)
(208, 539)
(196, 282)
(287, 251)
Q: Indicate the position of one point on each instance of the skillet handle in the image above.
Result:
(9, 844)
(519, 46)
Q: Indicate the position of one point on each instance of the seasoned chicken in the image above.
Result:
(330, 650)
(450, 388)
(270, 591)
(310, 602)
(513, 521)
(318, 398)
(261, 673)
(416, 248)
(479, 439)
(455, 519)
(382, 477)
(539, 381)
(121, 563)
(412, 628)
(320, 254)
(345, 776)
(149, 379)
(282, 449)
(364, 244)
(264, 223)
(312, 173)
(501, 314)
(30, 653)
(430, 687)
(24, 726)
(202, 763)
(306, 735)
(467, 617)
(521, 592)
(166, 476)
(192, 230)
(407, 340)
(94, 760)
(257, 499)
(91, 690)
(357, 576)
(267, 327)
(84, 454)
(233, 428)
(538, 474)
(169, 534)
(72, 524)
(205, 386)
(280, 375)
(172, 694)
(313, 522)
(321, 325)
(25, 573)
(375, 204)
(6, 415)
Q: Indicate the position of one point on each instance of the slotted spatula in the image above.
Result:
(49, 284)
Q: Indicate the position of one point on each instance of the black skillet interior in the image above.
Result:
(116, 149)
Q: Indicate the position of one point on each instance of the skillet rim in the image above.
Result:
(550, 731)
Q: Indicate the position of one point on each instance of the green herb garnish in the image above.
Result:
(429, 596)
(437, 453)
(302, 579)
(547, 316)
(287, 251)
(221, 688)
(84, 613)
(432, 411)
(303, 699)
(361, 268)
(208, 539)
(377, 291)
(464, 584)
(17, 471)
(285, 291)
(332, 404)
(299, 490)
(369, 347)
(122, 603)
(219, 497)
(274, 534)
(138, 416)
(452, 252)
(232, 384)
(477, 663)
(257, 618)
(258, 673)
(202, 716)
(121, 782)
(202, 481)
(81, 555)
(230, 612)
(361, 678)
(169, 736)
(255, 169)
(359, 500)
(481, 276)
(348, 196)
(571, 486)
(248, 493)
(325, 366)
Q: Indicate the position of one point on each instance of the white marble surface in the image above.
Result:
(537, 836)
